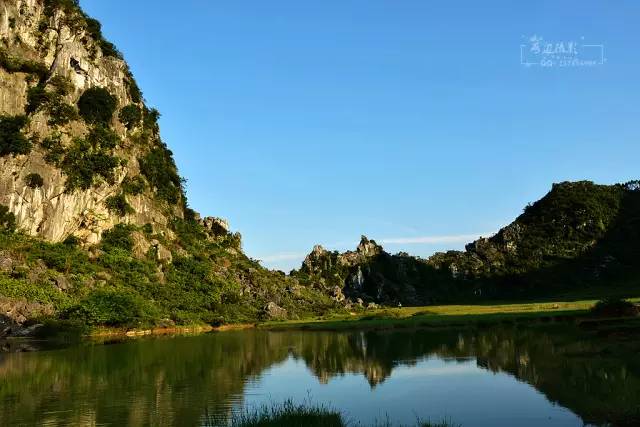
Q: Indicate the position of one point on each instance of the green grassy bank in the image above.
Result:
(445, 315)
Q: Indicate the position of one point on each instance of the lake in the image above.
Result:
(508, 375)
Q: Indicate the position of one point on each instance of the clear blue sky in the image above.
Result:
(412, 122)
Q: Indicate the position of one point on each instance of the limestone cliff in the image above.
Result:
(46, 44)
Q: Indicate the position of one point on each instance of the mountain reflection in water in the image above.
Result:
(176, 380)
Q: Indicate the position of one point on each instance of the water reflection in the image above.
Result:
(175, 381)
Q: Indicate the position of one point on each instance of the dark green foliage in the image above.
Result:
(61, 85)
(12, 140)
(97, 105)
(71, 241)
(133, 186)
(615, 307)
(160, 170)
(134, 91)
(61, 257)
(7, 219)
(113, 307)
(52, 101)
(82, 163)
(36, 97)
(102, 138)
(55, 150)
(34, 180)
(94, 28)
(118, 205)
(119, 237)
(61, 113)
(151, 117)
(130, 116)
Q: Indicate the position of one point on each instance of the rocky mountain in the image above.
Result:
(81, 151)
(580, 234)
(94, 223)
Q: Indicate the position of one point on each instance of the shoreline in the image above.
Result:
(392, 318)
(443, 316)
(102, 332)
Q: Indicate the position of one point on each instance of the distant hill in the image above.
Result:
(580, 234)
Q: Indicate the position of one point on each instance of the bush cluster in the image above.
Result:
(102, 138)
(130, 116)
(52, 101)
(132, 86)
(113, 307)
(12, 140)
(119, 237)
(82, 163)
(7, 219)
(118, 204)
(160, 170)
(97, 105)
(34, 180)
(94, 28)
(133, 186)
(55, 150)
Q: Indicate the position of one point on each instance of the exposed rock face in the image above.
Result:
(215, 225)
(14, 312)
(29, 32)
(275, 312)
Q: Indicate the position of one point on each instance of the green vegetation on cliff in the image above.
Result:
(196, 278)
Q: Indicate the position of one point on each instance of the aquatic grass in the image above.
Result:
(290, 414)
(285, 414)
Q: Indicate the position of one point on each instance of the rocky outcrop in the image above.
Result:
(275, 312)
(367, 274)
(14, 313)
(214, 225)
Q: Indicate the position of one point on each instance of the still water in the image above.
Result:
(498, 376)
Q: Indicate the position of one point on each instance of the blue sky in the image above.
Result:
(413, 122)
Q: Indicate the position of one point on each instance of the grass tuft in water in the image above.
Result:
(282, 415)
(289, 414)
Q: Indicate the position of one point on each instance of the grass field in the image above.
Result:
(443, 315)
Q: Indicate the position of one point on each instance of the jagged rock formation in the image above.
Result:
(368, 273)
(578, 233)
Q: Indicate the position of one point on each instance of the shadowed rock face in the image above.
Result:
(578, 233)
(61, 43)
